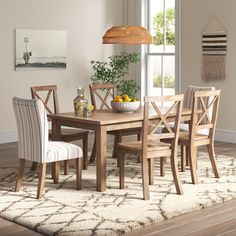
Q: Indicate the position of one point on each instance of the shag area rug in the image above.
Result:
(66, 211)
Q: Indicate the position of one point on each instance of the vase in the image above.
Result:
(80, 102)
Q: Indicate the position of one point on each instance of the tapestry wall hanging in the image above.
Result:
(214, 50)
(40, 49)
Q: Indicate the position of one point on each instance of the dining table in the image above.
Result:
(102, 121)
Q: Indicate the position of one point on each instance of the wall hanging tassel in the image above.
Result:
(214, 48)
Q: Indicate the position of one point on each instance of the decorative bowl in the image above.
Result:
(125, 106)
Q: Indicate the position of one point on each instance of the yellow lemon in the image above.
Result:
(91, 107)
(118, 96)
(119, 100)
(124, 96)
(127, 99)
(134, 100)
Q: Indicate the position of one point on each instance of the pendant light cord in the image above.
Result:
(127, 12)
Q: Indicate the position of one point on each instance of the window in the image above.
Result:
(160, 57)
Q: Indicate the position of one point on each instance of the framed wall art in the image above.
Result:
(40, 49)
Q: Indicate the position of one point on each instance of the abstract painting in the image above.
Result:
(40, 49)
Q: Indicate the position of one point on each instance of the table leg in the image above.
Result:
(101, 152)
(56, 130)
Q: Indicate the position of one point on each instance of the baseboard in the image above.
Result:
(8, 136)
(221, 135)
(227, 136)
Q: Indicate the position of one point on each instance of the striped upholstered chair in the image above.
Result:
(33, 144)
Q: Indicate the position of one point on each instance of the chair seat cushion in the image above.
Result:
(60, 151)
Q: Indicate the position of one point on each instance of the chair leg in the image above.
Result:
(93, 154)
(163, 161)
(192, 163)
(42, 173)
(20, 175)
(151, 171)
(78, 173)
(139, 137)
(183, 158)
(145, 178)
(34, 166)
(53, 170)
(196, 156)
(211, 151)
(85, 152)
(118, 139)
(187, 156)
(56, 171)
(121, 160)
(66, 167)
(175, 171)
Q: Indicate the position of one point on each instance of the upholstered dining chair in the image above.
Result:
(33, 144)
(207, 102)
(101, 95)
(152, 145)
(48, 95)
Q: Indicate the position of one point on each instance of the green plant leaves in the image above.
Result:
(113, 70)
(128, 87)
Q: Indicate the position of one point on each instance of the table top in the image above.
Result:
(107, 116)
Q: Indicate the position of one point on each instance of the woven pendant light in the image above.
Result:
(127, 35)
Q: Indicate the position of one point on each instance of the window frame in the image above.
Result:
(145, 49)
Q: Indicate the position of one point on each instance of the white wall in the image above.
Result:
(195, 15)
(85, 22)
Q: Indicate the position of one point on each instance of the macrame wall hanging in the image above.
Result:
(214, 49)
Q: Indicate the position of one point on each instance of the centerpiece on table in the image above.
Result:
(114, 70)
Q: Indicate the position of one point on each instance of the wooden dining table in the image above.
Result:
(102, 121)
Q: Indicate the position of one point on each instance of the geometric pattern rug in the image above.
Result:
(66, 211)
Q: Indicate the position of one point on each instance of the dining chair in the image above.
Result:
(152, 145)
(184, 126)
(207, 102)
(48, 95)
(188, 102)
(33, 144)
(101, 95)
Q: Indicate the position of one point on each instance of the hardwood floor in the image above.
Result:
(219, 220)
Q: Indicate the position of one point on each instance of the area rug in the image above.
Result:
(66, 211)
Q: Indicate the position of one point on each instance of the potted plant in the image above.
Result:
(113, 70)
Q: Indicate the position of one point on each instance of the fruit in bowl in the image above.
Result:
(123, 103)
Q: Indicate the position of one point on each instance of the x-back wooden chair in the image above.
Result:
(48, 95)
(188, 103)
(152, 145)
(101, 95)
(208, 103)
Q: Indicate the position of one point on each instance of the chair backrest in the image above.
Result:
(101, 95)
(47, 94)
(188, 95)
(156, 116)
(204, 101)
(32, 129)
